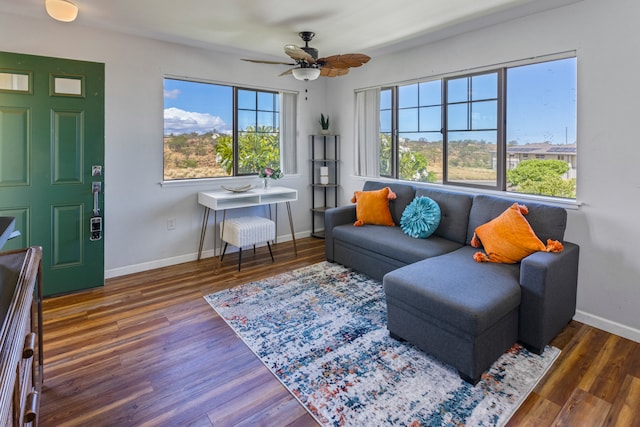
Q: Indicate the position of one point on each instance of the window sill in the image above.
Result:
(216, 182)
(209, 181)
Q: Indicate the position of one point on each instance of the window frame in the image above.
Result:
(501, 129)
(234, 134)
(236, 127)
(501, 171)
(393, 131)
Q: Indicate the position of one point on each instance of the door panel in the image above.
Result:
(67, 226)
(14, 146)
(51, 134)
(68, 143)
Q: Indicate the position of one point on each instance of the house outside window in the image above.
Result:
(509, 129)
(214, 131)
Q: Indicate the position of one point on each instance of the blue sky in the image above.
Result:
(197, 107)
(203, 107)
(541, 104)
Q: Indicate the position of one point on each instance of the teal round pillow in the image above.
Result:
(420, 218)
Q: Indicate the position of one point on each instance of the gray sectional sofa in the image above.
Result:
(465, 313)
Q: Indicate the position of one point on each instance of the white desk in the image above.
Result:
(221, 200)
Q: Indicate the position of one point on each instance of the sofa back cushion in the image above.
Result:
(404, 195)
(454, 212)
(548, 222)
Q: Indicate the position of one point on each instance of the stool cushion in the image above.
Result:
(247, 230)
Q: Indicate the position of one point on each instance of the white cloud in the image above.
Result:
(177, 121)
(171, 94)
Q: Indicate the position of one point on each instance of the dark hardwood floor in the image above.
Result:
(147, 350)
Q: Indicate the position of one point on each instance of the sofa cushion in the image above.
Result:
(420, 218)
(509, 237)
(456, 291)
(548, 222)
(372, 207)
(454, 212)
(404, 195)
(391, 242)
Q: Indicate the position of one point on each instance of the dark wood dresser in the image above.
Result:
(21, 346)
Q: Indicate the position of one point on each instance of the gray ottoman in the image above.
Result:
(462, 312)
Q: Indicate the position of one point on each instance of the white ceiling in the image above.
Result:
(262, 27)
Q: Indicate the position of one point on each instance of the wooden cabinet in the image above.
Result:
(21, 351)
(324, 179)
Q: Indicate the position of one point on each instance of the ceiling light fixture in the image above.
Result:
(61, 10)
(306, 73)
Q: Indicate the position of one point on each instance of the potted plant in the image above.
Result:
(324, 123)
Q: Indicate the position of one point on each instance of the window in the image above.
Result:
(11, 81)
(213, 130)
(258, 133)
(471, 131)
(386, 127)
(509, 129)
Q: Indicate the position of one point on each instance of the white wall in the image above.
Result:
(136, 206)
(606, 227)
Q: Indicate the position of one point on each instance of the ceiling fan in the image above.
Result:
(308, 66)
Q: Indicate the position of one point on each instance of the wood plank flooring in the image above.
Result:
(147, 350)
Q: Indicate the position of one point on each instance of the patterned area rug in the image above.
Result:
(321, 330)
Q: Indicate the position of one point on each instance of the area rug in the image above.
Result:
(322, 331)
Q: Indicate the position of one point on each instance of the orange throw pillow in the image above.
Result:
(372, 207)
(509, 238)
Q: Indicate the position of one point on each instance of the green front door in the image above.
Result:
(51, 158)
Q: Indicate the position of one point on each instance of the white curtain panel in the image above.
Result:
(367, 133)
(289, 133)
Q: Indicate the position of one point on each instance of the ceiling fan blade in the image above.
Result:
(289, 71)
(298, 54)
(333, 72)
(259, 61)
(304, 57)
(347, 60)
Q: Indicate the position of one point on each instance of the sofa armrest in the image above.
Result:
(333, 217)
(549, 283)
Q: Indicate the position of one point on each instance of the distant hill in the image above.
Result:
(191, 156)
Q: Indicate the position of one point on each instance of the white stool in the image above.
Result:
(245, 231)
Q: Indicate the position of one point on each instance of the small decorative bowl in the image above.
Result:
(240, 189)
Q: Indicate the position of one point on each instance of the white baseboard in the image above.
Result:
(608, 325)
(166, 262)
(145, 266)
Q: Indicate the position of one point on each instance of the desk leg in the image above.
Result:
(203, 230)
(217, 261)
(293, 234)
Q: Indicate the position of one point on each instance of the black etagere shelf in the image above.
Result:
(324, 179)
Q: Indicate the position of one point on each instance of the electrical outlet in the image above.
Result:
(171, 224)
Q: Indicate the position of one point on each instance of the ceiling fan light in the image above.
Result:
(306, 73)
(61, 10)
